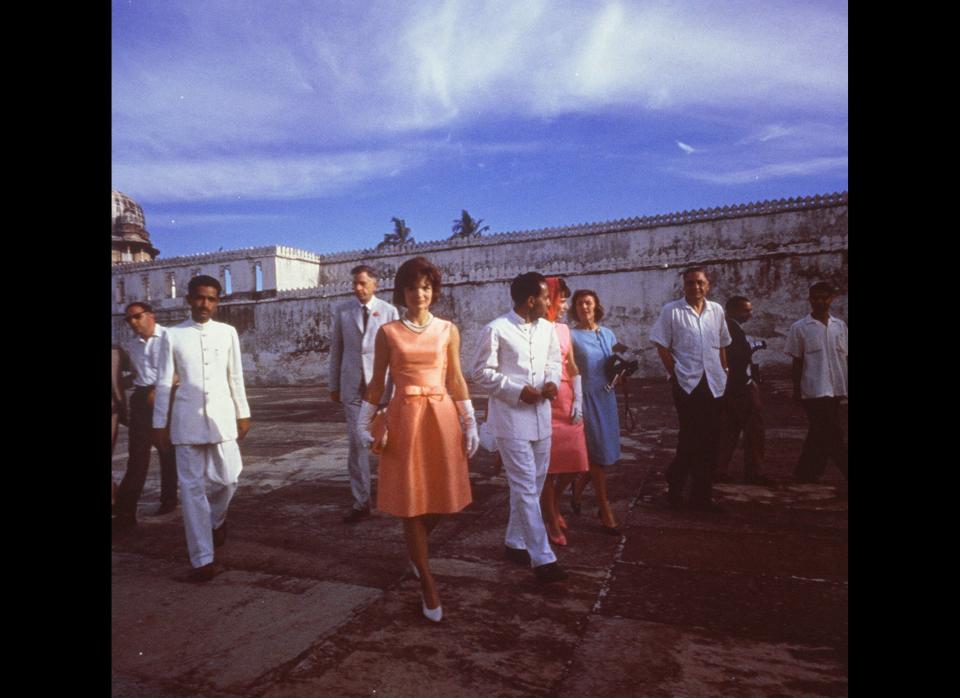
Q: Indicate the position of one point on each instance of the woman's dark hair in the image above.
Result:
(572, 312)
(408, 274)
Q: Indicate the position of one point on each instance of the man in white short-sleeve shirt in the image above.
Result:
(818, 345)
(210, 415)
(690, 336)
(517, 361)
(144, 353)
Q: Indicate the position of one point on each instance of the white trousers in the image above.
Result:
(358, 458)
(525, 464)
(218, 467)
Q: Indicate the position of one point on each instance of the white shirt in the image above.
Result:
(694, 342)
(211, 396)
(823, 349)
(145, 356)
(510, 355)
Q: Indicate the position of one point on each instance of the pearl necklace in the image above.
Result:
(414, 327)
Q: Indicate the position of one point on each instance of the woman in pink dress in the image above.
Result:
(568, 448)
(423, 455)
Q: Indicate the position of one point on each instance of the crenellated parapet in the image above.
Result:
(758, 208)
(282, 298)
(221, 256)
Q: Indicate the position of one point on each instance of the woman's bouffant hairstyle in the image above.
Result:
(572, 312)
(558, 289)
(409, 273)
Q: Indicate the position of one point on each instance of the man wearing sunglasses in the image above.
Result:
(144, 353)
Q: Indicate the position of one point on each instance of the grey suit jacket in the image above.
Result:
(351, 349)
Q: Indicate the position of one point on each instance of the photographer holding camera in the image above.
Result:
(593, 345)
(741, 401)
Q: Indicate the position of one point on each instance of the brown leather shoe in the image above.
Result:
(204, 573)
(355, 515)
(550, 572)
(220, 535)
(520, 557)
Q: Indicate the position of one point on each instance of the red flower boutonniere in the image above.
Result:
(376, 313)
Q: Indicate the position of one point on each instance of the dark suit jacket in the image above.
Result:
(738, 359)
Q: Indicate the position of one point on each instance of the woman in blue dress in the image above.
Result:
(592, 345)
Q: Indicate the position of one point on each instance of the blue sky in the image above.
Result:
(310, 124)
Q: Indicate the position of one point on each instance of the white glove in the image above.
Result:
(465, 408)
(576, 414)
(367, 412)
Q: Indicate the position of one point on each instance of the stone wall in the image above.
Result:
(770, 252)
(282, 268)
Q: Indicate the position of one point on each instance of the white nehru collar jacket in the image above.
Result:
(210, 396)
(145, 356)
(511, 354)
(823, 349)
(694, 342)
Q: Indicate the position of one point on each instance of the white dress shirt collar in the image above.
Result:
(519, 320)
(157, 332)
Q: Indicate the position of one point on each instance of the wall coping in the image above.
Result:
(757, 208)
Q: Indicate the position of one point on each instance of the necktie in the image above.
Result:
(363, 380)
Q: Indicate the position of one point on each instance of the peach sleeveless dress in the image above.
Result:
(423, 468)
(568, 447)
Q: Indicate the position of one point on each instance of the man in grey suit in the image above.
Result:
(355, 325)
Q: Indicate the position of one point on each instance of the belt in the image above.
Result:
(144, 387)
(432, 392)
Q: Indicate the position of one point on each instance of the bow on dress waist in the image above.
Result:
(431, 392)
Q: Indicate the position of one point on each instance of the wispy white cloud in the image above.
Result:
(427, 64)
(367, 86)
(686, 148)
(772, 171)
(263, 177)
(162, 217)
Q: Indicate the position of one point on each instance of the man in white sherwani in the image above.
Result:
(355, 325)
(517, 362)
(209, 416)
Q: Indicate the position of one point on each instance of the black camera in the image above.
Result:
(616, 367)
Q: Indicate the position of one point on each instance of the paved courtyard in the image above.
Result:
(748, 603)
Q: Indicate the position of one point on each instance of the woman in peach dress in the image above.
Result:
(568, 447)
(423, 459)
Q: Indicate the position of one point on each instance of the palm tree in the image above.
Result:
(400, 235)
(467, 227)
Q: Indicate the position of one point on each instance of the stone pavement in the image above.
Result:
(748, 603)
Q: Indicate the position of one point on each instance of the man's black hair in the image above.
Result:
(526, 285)
(203, 280)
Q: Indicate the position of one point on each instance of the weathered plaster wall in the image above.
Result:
(770, 252)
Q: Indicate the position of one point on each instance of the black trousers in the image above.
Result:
(742, 411)
(825, 440)
(141, 431)
(696, 459)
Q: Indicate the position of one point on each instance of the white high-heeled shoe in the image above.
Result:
(433, 614)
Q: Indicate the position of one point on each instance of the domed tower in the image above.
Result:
(130, 240)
